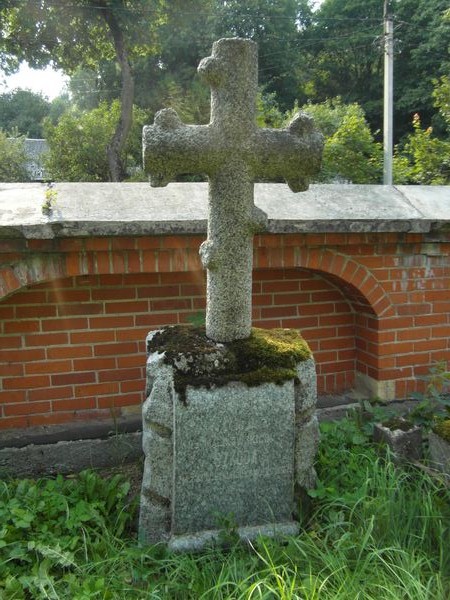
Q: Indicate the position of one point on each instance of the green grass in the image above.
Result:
(374, 532)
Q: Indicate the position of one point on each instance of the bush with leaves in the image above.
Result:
(23, 110)
(351, 153)
(12, 158)
(423, 159)
(78, 143)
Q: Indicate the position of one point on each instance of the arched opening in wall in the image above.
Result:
(74, 348)
(332, 315)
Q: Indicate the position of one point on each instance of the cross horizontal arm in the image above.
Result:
(172, 148)
(293, 154)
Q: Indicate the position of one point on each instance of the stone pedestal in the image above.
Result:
(403, 439)
(439, 453)
(220, 447)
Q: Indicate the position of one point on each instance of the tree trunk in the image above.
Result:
(118, 140)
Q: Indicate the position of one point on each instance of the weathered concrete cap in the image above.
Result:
(116, 209)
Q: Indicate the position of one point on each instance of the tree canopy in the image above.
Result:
(83, 33)
(23, 111)
(145, 52)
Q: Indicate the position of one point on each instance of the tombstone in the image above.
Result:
(230, 432)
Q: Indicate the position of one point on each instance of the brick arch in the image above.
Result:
(106, 256)
(56, 259)
(30, 271)
(369, 307)
(354, 278)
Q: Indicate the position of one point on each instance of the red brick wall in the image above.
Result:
(75, 313)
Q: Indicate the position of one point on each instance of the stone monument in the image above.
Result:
(230, 432)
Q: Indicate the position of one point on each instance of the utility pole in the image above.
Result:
(388, 119)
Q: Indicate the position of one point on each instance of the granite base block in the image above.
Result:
(229, 456)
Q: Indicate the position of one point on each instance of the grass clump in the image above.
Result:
(375, 532)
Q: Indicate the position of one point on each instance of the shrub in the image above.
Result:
(79, 141)
(12, 158)
(422, 159)
(351, 153)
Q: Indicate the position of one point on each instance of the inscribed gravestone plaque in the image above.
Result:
(234, 448)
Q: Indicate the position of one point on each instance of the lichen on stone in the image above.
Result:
(265, 356)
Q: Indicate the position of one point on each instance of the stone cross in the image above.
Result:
(233, 152)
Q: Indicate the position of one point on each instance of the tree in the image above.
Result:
(441, 97)
(23, 110)
(78, 142)
(186, 36)
(344, 45)
(422, 159)
(83, 33)
(12, 158)
(275, 25)
(423, 42)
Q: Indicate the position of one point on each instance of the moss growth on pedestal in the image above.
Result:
(268, 355)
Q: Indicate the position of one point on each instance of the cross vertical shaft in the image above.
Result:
(228, 252)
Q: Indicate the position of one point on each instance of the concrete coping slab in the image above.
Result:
(136, 209)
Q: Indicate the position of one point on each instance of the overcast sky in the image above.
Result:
(49, 82)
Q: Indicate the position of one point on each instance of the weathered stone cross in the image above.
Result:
(233, 152)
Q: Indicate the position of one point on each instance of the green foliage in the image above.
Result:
(58, 107)
(73, 34)
(441, 95)
(24, 111)
(344, 57)
(422, 159)
(442, 429)
(275, 26)
(50, 198)
(191, 100)
(345, 455)
(376, 532)
(12, 158)
(268, 111)
(350, 154)
(50, 528)
(344, 44)
(423, 38)
(79, 141)
(435, 400)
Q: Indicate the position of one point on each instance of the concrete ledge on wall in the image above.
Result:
(362, 271)
(67, 457)
(109, 209)
(70, 448)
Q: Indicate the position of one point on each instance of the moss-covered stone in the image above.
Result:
(442, 429)
(398, 423)
(265, 356)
